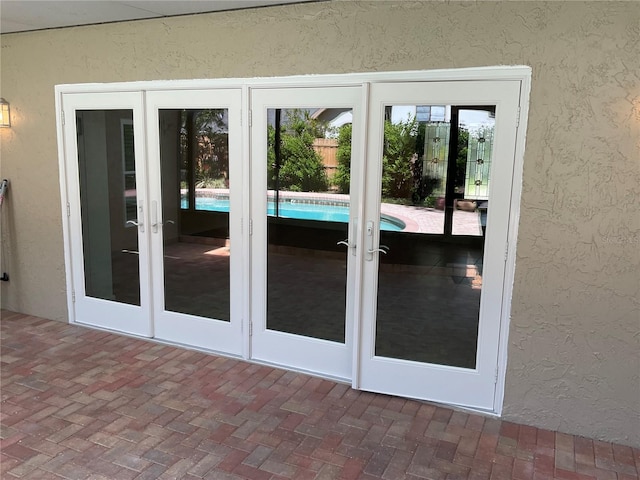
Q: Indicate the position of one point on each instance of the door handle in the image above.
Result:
(154, 219)
(372, 248)
(161, 224)
(346, 243)
(136, 222)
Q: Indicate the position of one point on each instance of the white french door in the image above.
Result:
(356, 231)
(303, 258)
(107, 208)
(196, 200)
(432, 293)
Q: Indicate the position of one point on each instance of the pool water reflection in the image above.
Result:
(318, 211)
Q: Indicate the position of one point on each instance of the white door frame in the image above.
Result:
(517, 73)
(84, 309)
(210, 334)
(474, 388)
(323, 357)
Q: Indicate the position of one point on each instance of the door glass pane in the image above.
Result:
(430, 281)
(108, 200)
(308, 177)
(194, 155)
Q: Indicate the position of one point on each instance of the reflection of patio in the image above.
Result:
(429, 220)
(427, 312)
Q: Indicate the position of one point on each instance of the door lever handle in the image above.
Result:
(140, 225)
(346, 243)
(154, 218)
(137, 222)
(374, 250)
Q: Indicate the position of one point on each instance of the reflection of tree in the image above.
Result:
(300, 167)
(343, 156)
(402, 175)
(461, 159)
(204, 138)
(398, 157)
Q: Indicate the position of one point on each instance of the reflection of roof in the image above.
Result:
(328, 114)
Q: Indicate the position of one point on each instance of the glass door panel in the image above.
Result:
(304, 142)
(436, 174)
(194, 163)
(108, 199)
(107, 210)
(307, 218)
(432, 309)
(196, 210)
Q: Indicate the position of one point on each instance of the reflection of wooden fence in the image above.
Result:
(327, 149)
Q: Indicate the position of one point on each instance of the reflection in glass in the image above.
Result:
(435, 179)
(194, 155)
(106, 163)
(308, 169)
(472, 175)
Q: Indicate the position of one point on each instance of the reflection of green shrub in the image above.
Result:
(342, 177)
(205, 181)
(301, 167)
(399, 150)
(430, 201)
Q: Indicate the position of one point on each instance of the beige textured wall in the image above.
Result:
(574, 340)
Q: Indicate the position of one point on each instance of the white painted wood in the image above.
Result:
(92, 311)
(356, 79)
(452, 385)
(66, 206)
(514, 221)
(200, 332)
(320, 356)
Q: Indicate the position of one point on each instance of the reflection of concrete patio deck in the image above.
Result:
(429, 220)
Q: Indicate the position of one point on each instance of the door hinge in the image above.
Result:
(518, 118)
(68, 210)
(250, 227)
(250, 329)
(73, 296)
(506, 251)
(62, 115)
(250, 118)
(495, 379)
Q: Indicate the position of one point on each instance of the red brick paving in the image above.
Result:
(84, 404)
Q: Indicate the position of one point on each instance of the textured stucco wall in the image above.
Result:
(574, 338)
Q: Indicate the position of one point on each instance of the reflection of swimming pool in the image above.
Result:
(304, 211)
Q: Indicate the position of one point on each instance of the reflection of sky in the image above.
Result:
(471, 119)
(271, 114)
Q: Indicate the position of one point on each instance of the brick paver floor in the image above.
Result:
(80, 403)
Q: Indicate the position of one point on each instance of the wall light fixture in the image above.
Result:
(5, 113)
